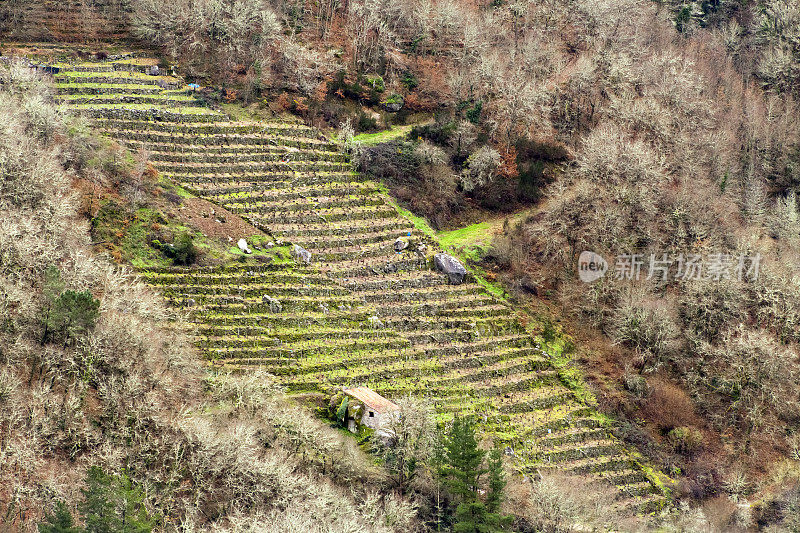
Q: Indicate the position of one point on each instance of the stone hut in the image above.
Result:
(370, 409)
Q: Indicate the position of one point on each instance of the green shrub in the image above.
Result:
(682, 19)
(375, 81)
(66, 314)
(341, 411)
(182, 251)
(685, 439)
(409, 81)
(60, 521)
(438, 133)
(473, 114)
(532, 159)
(549, 332)
(113, 504)
(349, 90)
(366, 122)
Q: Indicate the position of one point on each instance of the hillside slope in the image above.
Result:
(93, 376)
(360, 312)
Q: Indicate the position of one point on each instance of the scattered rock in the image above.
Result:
(189, 302)
(154, 70)
(242, 244)
(270, 244)
(394, 103)
(400, 245)
(390, 268)
(375, 322)
(451, 266)
(274, 304)
(300, 253)
(421, 247)
(323, 308)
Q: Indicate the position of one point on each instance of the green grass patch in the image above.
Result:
(127, 86)
(133, 76)
(146, 107)
(560, 349)
(162, 97)
(171, 186)
(395, 132)
(471, 242)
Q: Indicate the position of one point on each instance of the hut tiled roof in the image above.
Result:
(371, 399)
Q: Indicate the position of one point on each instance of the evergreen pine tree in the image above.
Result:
(52, 288)
(462, 468)
(472, 517)
(97, 508)
(437, 462)
(66, 313)
(494, 497)
(76, 312)
(497, 481)
(113, 504)
(59, 522)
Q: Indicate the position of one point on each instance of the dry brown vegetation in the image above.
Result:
(127, 393)
(667, 127)
(678, 149)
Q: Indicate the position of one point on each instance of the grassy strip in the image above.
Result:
(163, 96)
(147, 107)
(395, 132)
(114, 74)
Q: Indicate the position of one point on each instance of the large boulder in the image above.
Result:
(243, 246)
(451, 266)
(301, 254)
(394, 103)
(400, 245)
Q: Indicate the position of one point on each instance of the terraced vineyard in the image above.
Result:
(66, 20)
(360, 313)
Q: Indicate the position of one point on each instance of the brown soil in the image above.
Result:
(214, 221)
